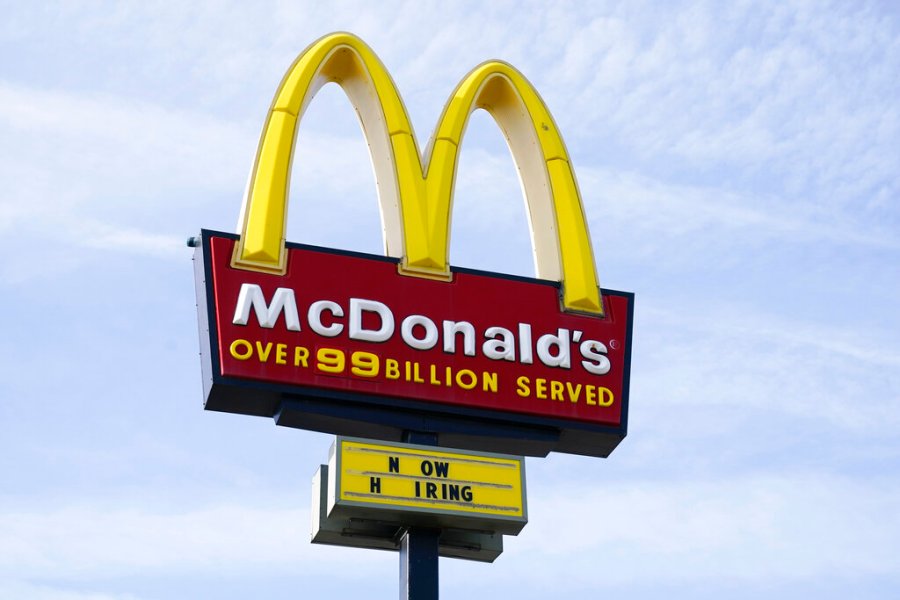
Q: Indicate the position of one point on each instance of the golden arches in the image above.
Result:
(415, 198)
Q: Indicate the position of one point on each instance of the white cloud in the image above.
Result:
(742, 536)
(22, 589)
(110, 238)
(102, 147)
(94, 171)
(102, 172)
(796, 526)
(676, 224)
(761, 366)
(796, 100)
(85, 543)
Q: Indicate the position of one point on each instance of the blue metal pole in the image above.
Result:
(419, 546)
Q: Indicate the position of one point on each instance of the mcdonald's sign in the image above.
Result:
(370, 346)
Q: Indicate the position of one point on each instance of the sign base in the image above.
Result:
(373, 534)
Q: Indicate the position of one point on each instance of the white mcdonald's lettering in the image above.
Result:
(407, 329)
(267, 314)
(358, 332)
(419, 331)
(314, 316)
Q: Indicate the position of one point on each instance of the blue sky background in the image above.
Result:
(740, 167)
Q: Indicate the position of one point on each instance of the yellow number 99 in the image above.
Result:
(365, 364)
(329, 360)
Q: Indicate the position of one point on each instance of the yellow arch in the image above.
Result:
(415, 199)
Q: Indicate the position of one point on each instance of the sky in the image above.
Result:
(739, 166)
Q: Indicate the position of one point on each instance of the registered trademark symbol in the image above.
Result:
(614, 344)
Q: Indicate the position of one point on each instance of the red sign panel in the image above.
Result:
(349, 327)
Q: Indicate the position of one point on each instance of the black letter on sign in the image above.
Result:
(431, 490)
(375, 485)
(393, 464)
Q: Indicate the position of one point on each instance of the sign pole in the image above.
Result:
(419, 546)
(419, 564)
